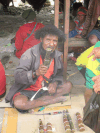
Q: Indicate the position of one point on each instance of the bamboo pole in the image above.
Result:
(56, 21)
(66, 31)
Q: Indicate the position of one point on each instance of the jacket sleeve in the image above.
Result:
(88, 18)
(59, 75)
(19, 40)
(23, 73)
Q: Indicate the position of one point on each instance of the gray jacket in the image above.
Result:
(30, 62)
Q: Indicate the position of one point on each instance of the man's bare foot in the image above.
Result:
(60, 99)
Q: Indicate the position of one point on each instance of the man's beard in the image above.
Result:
(48, 54)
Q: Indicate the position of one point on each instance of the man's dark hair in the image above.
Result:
(77, 5)
(50, 30)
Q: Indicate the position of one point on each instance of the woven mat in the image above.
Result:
(14, 122)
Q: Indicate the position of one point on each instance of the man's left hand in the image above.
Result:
(52, 88)
(96, 85)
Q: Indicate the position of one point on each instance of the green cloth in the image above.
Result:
(29, 15)
(89, 74)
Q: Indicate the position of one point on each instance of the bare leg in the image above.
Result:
(93, 39)
(22, 102)
(88, 93)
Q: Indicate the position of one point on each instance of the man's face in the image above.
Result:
(49, 41)
(81, 17)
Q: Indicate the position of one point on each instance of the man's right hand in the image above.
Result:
(42, 70)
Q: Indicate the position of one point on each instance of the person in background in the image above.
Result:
(25, 38)
(90, 69)
(32, 74)
(80, 21)
(81, 16)
(91, 29)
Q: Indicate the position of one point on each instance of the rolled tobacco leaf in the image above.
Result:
(70, 122)
(49, 128)
(41, 128)
(66, 123)
(47, 57)
(80, 122)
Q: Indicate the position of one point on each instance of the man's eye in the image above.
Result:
(55, 41)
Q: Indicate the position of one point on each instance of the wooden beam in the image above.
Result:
(77, 42)
(56, 21)
(66, 31)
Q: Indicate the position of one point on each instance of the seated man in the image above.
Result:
(24, 38)
(81, 15)
(32, 74)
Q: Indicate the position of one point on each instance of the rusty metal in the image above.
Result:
(56, 21)
(66, 31)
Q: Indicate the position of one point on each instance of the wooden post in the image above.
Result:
(66, 31)
(56, 22)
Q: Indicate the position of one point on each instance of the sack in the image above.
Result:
(91, 117)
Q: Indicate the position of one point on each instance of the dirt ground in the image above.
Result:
(12, 20)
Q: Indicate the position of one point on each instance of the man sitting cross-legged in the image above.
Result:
(31, 73)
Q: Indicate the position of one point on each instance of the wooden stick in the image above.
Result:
(9, 75)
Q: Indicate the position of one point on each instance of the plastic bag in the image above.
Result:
(91, 117)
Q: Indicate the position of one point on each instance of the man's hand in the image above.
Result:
(52, 88)
(96, 86)
(95, 52)
(42, 70)
(78, 36)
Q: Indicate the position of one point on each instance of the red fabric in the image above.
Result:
(2, 79)
(38, 85)
(22, 34)
(81, 13)
(16, 95)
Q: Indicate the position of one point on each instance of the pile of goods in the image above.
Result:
(67, 123)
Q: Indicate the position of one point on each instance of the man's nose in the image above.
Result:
(51, 42)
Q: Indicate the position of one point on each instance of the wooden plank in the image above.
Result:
(57, 108)
(10, 118)
(56, 22)
(77, 42)
(66, 31)
(54, 108)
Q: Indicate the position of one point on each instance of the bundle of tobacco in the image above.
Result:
(49, 128)
(41, 128)
(47, 57)
(80, 122)
(70, 122)
(66, 123)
